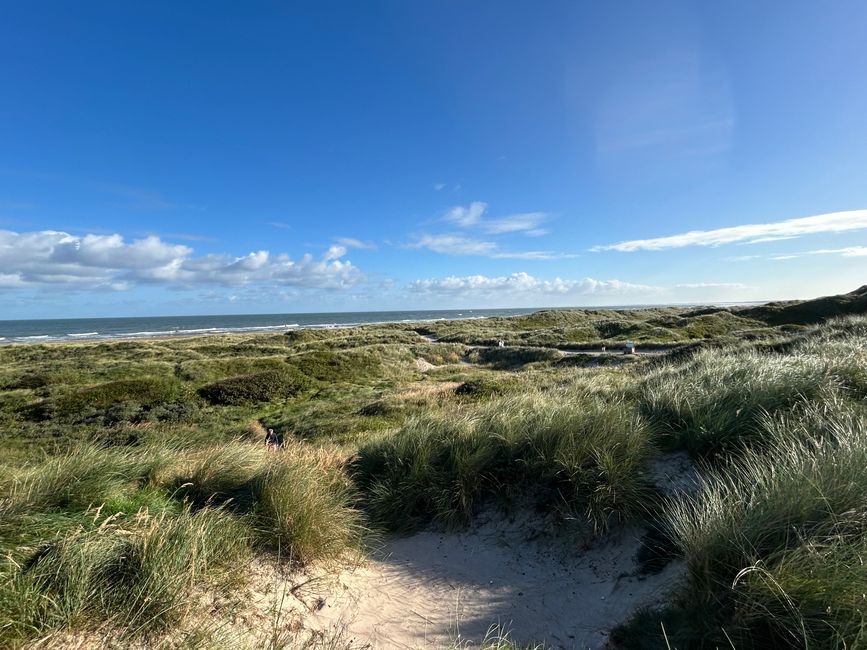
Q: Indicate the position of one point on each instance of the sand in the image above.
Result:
(438, 589)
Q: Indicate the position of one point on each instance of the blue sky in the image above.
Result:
(221, 157)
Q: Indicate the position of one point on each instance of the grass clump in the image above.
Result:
(256, 387)
(304, 509)
(714, 403)
(138, 572)
(76, 480)
(298, 502)
(127, 540)
(775, 541)
(581, 455)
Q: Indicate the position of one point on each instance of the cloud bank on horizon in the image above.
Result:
(49, 259)
(52, 258)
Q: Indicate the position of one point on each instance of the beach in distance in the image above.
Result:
(95, 329)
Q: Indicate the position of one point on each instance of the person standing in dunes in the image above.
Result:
(272, 441)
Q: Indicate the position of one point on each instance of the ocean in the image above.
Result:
(95, 329)
(90, 329)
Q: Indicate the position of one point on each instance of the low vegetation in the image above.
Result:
(578, 453)
(134, 480)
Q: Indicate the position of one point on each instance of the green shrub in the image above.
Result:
(479, 388)
(257, 387)
(579, 454)
(355, 364)
(512, 357)
(83, 403)
(209, 370)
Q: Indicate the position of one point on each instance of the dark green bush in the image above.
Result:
(512, 357)
(479, 388)
(257, 387)
(87, 402)
(355, 364)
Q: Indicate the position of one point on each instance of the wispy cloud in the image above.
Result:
(849, 251)
(526, 222)
(439, 187)
(764, 240)
(466, 216)
(52, 258)
(352, 242)
(451, 244)
(454, 245)
(473, 216)
(714, 285)
(834, 222)
(280, 225)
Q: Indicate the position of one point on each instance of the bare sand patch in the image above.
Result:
(436, 589)
(424, 365)
(441, 590)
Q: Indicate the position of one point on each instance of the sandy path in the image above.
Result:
(433, 589)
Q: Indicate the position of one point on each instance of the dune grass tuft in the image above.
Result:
(298, 502)
(579, 454)
(774, 540)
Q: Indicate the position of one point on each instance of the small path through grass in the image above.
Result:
(432, 589)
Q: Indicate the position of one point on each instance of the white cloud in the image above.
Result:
(352, 242)
(334, 253)
(455, 245)
(450, 244)
(763, 240)
(527, 222)
(849, 251)
(834, 222)
(472, 216)
(439, 187)
(532, 255)
(466, 216)
(518, 284)
(108, 261)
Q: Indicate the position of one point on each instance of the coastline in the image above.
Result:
(90, 330)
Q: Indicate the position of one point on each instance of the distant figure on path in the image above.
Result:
(603, 348)
(271, 440)
(501, 344)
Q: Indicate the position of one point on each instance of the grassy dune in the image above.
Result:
(133, 478)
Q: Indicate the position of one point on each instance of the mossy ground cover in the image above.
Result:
(134, 474)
